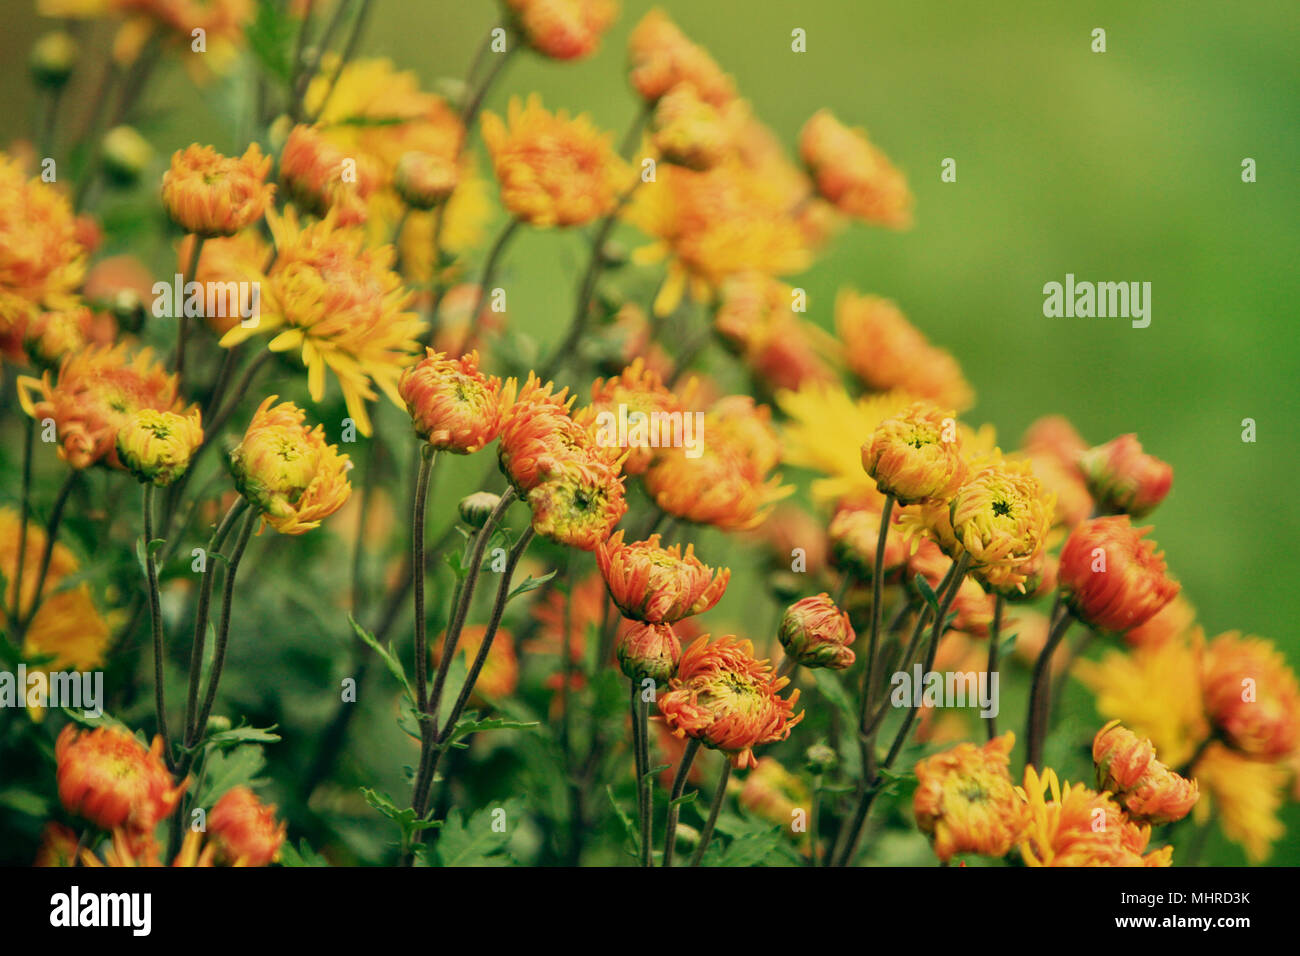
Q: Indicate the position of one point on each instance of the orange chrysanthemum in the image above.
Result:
(816, 633)
(658, 585)
(649, 651)
(213, 195)
(51, 336)
(111, 779)
(97, 391)
(916, 455)
(580, 504)
(553, 170)
(1251, 696)
(1148, 790)
(1112, 578)
(244, 830)
(661, 57)
(318, 178)
(453, 406)
(1080, 827)
(853, 174)
(772, 793)
(500, 674)
(638, 396)
(727, 700)
(41, 258)
(1123, 478)
(563, 29)
(342, 306)
(288, 472)
(965, 800)
(240, 259)
(854, 533)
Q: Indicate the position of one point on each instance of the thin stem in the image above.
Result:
(15, 613)
(475, 102)
(718, 795)
(877, 596)
(1036, 728)
(427, 457)
(155, 620)
(349, 49)
(644, 797)
(674, 808)
(182, 327)
(223, 629)
(51, 533)
(995, 635)
(490, 266)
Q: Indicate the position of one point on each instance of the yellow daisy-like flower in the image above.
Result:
(1246, 796)
(41, 259)
(916, 455)
(1001, 518)
(553, 170)
(288, 472)
(342, 306)
(157, 446)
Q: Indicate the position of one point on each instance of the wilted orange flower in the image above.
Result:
(727, 700)
(965, 800)
(658, 585)
(773, 793)
(1112, 578)
(156, 447)
(553, 170)
(1124, 479)
(213, 195)
(453, 405)
(1251, 695)
(289, 473)
(1000, 517)
(916, 455)
(1148, 790)
(1066, 830)
(563, 29)
(41, 258)
(244, 830)
(661, 57)
(98, 390)
(854, 534)
(852, 173)
(816, 633)
(638, 396)
(111, 779)
(689, 131)
(500, 674)
(342, 306)
(649, 651)
(887, 352)
(318, 178)
(580, 504)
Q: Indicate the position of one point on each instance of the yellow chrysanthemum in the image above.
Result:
(41, 259)
(341, 304)
(1246, 795)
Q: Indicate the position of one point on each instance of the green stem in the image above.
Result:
(1036, 729)
(223, 628)
(645, 798)
(182, 327)
(428, 454)
(674, 808)
(490, 266)
(15, 612)
(155, 619)
(718, 796)
(995, 635)
(51, 533)
(877, 596)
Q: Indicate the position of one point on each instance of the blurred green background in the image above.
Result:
(1122, 166)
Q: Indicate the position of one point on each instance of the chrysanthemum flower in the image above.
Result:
(41, 259)
(887, 352)
(1073, 501)
(656, 584)
(563, 29)
(1148, 790)
(1000, 517)
(1246, 796)
(240, 259)
(649, 651)
(52, 335)
(1251, 696)
(1176, 619)
(425, 180)
(553, 170)
(500, 674)
(580, 504)
(313, 169)
(853, 174)
(854, 533)
(965, 800)
(341, 304)
(1067, 830)
(223, 23)
(1124, 479)
(453, 405)
(157, 446)
(111, 779)
(772, 793)
(58, 847)
(289, 473)
(539, 437)
(661, 57)
(689, 131)
(213, 195)
(637, 391)
(1112, 578)
(916, 455)
(727, 700)
(816, 633)
(1054, 436)
(97, 391)
(244, 830)
(62, 561)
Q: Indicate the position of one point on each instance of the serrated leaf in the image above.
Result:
(301, 855)
(478, 842)
(243, 735)
(404, 817)
(226, 769)
(466, 726)
(390, 659)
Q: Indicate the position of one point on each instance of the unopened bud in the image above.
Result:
(52, 59)
(476, 508)
(126, 154)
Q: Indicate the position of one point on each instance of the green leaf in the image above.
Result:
(270, 37)
(302, 855)
(834, 691)
(628, 825)
(684, 799)
(394, 665)
(242, 735)
(478, 841)
(1007, 645)
(404, 817)
(752, 849)
(529, 583)
(140, 551)
(226, 769)
(927, 592)
(468, 725)
(24, 801)
(655, 771)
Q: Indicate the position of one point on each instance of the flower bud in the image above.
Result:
(424, 180)
(820, 759)
(816, 633)
(475, 508)
(1145, 787)
(126, 154)
(914, 456)
(156, 447)
(244, 829)
(1110, 577)
(649, 650)
(53, 57)
(1124, 479)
